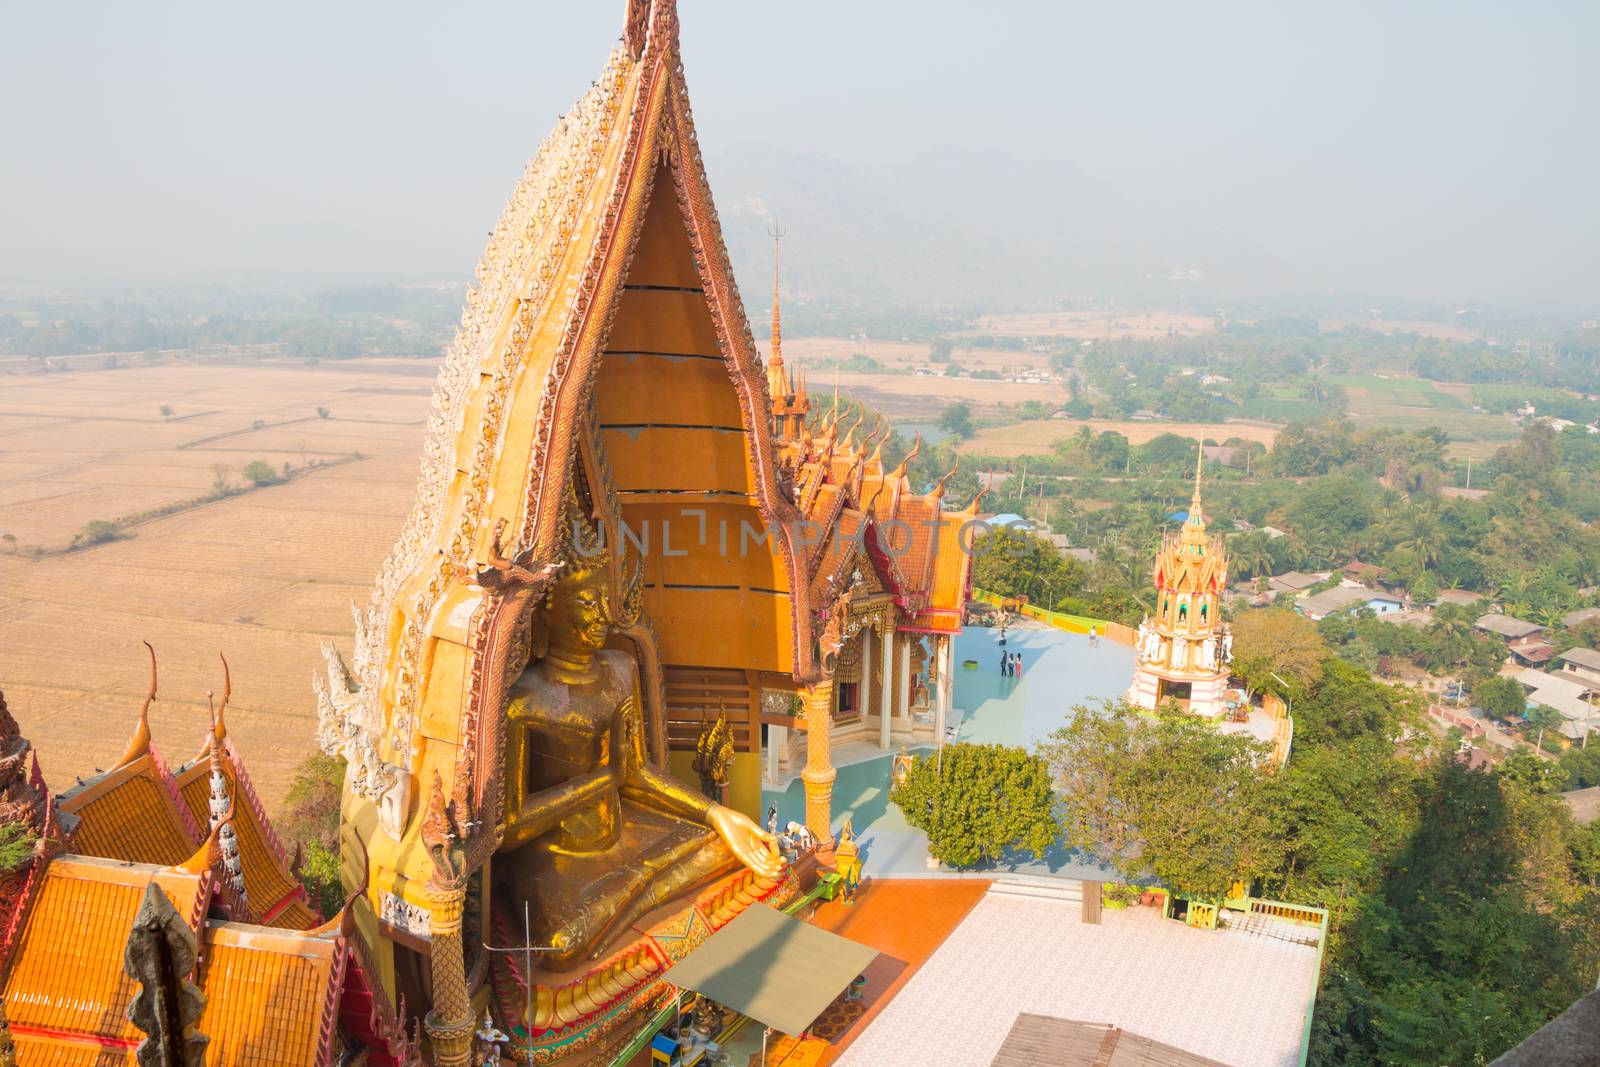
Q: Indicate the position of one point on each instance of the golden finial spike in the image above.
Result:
(140, 744)
(905, 464)
(219, 729)
(776, 232)
(1199, 468)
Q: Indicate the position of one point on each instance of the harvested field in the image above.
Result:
(262, 576)
(1443, 330)
(1025, 438)
(1086, 325)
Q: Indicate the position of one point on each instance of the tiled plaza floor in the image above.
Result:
(906, 920)
(1230, 996)
(1059, 671)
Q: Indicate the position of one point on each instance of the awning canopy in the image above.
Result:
(774, 968)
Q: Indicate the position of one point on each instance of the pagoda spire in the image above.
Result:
(1195, 514)
(777, 329)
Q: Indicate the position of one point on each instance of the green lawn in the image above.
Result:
(1403, 392)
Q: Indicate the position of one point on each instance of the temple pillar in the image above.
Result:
(941, 686)
(819, 773)
(450, 1024)
(885, 693)
(905, 677)
(777, 738)
(864, 690)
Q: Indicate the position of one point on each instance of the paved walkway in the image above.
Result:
(1059, 670)
(1234, 997)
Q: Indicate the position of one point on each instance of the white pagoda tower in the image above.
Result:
(1184, 650)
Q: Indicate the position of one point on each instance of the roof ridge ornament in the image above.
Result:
(140, 744)
(221, 799)
(640, 17)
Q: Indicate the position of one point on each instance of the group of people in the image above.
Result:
(1010, 664)
(794, 839)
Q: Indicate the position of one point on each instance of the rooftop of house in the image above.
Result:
(1338, 598)
(1294, 581)
(1507, 626)
(1582, 657)
(1579, 617)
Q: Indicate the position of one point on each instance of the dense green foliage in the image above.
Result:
(1278, 650)
(1167, 797)
(1464, 904)
(17, 841)
(312, 822)
(980, 804)
(377, 320)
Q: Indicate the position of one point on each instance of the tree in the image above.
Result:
(1014, 562)
(260, 472)
(1542, 718)
(980, 804)
(313, 822)
(1275, 641)
(97, 531)
(166, 411)
(324, 413)
(219, 478)
(10, 539)
(1501, 697)
(1168, 796)
(957, 421)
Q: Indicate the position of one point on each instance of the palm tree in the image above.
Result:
(1423, 536)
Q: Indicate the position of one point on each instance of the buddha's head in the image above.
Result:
(577, 612)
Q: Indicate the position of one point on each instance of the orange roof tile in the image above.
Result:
(273, 895)
(67, 995)
(270, 995)
(132, 813)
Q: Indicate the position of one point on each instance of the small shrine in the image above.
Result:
(1184, 649)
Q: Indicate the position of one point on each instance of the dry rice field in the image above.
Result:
(262, 577)
(1025, 438)
(1087, 325)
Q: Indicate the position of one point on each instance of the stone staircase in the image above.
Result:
(1067, 890)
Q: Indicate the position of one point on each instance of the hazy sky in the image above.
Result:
(1428, 149)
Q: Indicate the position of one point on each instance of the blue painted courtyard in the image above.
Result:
(1059, 670)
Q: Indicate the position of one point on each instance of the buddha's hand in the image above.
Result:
(754, 847)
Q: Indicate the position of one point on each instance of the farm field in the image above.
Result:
(262, 576)
(1416, 404)
(1039, 435)
(1087, 325)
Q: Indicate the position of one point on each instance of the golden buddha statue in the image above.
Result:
(596, 836)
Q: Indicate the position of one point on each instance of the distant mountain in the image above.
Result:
(967, 230)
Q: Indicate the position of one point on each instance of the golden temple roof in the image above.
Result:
(275, 896)
(132, 813)
(67, 994)
(271, 995)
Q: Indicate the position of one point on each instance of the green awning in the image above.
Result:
(773, 968)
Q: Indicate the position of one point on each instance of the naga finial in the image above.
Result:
(905, 464)
(140, 744)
